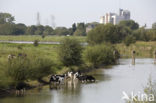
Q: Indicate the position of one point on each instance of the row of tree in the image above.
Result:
(126, 31)
(8, 27)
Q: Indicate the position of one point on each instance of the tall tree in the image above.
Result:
(106, 33)
(6, 18)
(81, 30)
(92, 24)
(129, 23)
(31, 30)
(48, 30)
(73, 28)
(154, 25)
(61, 31)
(39, 30)
(7, 29)
(20, 29)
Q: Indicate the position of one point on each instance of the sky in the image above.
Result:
(67, 12)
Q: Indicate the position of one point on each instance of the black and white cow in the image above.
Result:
(86, 78)
(20, 88)
(57, 79)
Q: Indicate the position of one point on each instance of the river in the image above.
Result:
(110, 84)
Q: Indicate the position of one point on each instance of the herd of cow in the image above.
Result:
(71, 76)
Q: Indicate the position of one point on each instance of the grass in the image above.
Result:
(38, 37)
(46, 51)
(49, 51)
(143, 49)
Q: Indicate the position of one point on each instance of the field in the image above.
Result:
(48, 51)
(143, 49)
(39, 38)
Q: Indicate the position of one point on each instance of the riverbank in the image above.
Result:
(142, 49)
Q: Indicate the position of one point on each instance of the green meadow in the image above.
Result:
(39, 38)
(142, 49)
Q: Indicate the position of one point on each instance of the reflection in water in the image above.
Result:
(29, 98)
(111, 81)
(70, 93)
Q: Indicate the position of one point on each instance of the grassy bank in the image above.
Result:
(143, 49)
(42, 51)
(38, 37)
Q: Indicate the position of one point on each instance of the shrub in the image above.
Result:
(18, 69)
(36, 43)
(34, 68)
(5, 81)
(99, 55)
(141, 34)
(70, 52)
(129, 40)
(40, 67)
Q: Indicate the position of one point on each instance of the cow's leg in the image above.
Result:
(17, 93)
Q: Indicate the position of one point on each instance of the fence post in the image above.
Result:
(133, 57)
(154, 56)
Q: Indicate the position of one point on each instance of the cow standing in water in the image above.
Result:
(20, 88)
(71, 79)
(56, 80)
(69, 75)
(86, 78)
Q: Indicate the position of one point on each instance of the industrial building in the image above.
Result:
(115, 18)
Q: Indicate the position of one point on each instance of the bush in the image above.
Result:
(141, 34)
(129, 40)
(99, 55)
(36, 43)
(151, 33)
(18, 69)
(5, 81)
(40, 67)
(70, 52)
(34, 68)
